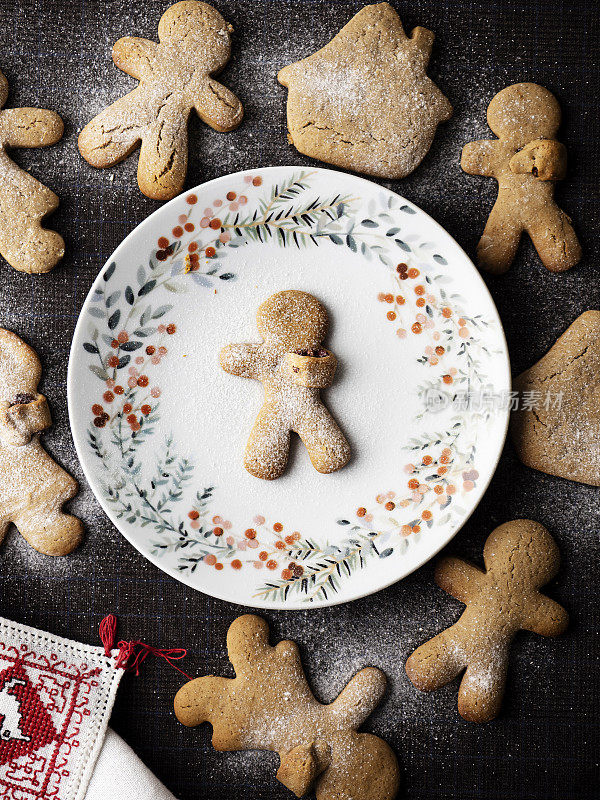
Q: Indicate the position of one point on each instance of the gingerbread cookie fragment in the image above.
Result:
(526, 160)
(175, 77)
(364, 101)
(33, 488)
(293, 366)
(270, 706)
(520, 557)
(24, 201)
(556, 427)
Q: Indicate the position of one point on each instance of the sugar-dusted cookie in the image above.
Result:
(556, 426)
(526, 160)
(292, 366)
(270, 706)
(364, 101)
(175, 77)
(520, 557)
(33, 488)
(24, 202)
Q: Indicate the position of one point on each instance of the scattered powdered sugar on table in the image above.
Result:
(473, 58)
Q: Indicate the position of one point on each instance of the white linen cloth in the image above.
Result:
(56, 697)
(120, 775)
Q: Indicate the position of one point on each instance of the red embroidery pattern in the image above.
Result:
(52, 709)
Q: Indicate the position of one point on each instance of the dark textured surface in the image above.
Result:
(56, 54)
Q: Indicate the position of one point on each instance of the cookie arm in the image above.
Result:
(134, 56)
(545, 159)
(241, 359)
(423, 40)
(20, 422)
(459, 578)
(218, 107)
(478, 158)
(358, 699)
(545, 616)
(30, 127)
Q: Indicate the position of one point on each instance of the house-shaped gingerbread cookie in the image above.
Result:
(364, 101)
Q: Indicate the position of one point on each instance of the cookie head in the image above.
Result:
(20, 368)
(199, 28)
(524, 550)
(295, 320)
(523, 112)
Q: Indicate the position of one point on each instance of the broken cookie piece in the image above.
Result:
(364, 101)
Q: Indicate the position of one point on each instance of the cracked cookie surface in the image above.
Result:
(364, 101)
(556, 428)
(175, 77)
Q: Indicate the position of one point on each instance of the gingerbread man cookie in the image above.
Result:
(270, 706)
(175, 77)
(292, 366)
(364, 101)
(526, 160)
(520, 557)
(33, 488)
(556, 426)
(24, 202)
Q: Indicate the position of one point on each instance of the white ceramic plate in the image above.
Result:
(421, 391)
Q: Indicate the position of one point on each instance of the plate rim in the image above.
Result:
(79, 444)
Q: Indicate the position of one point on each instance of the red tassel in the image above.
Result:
(108, 633)
(131, 655)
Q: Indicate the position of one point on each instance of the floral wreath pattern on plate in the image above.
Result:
(128, 338)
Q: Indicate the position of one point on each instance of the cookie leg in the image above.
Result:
(163, 157)
(482, 688)
(114, 133)
(555, 240)
(500, 240)
(268, 447)
(25, 202)
(435, 663)
(327, 446)
(50, 532)
(30, 248)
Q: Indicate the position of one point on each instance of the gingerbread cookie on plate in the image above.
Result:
(24, 201)
(175, 77)
(293, 366)
(33, 488)
(270, 706)
(526, 160)
(364, 101)
(556, 427)
(520, 557)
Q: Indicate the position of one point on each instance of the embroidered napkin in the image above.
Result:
(56, 698)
